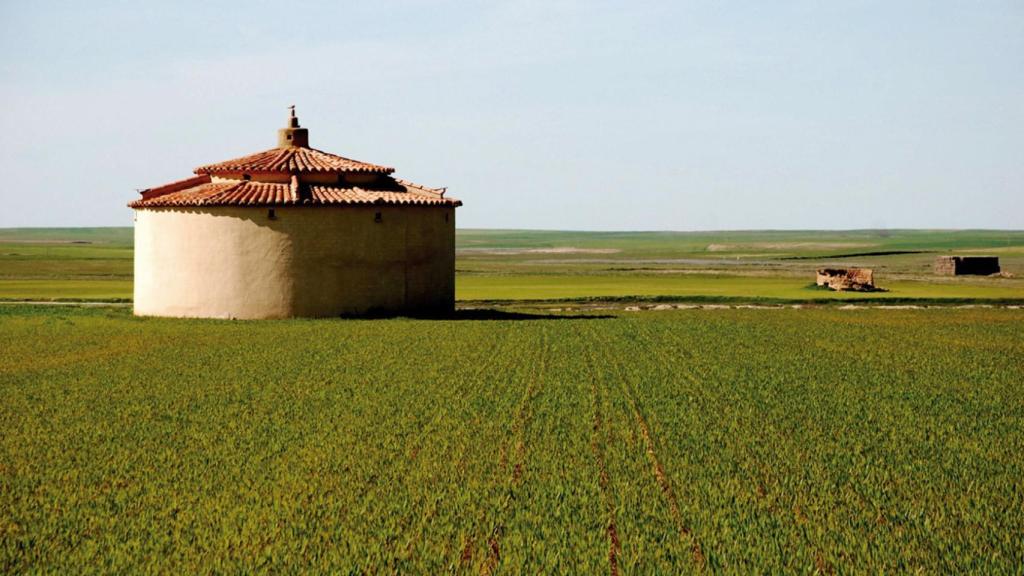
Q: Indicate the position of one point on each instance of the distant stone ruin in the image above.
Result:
(961, 265)
(852, 279)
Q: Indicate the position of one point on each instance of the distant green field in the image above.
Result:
(534, 287)
(741, 441)
(86, 290)
(798, 241)
(103, 236)
(66, 264)
(96, 264)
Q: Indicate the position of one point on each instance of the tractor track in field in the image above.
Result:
(418, 441)
(599, 425)
(664, 482)
(416, 444)
(517, 467)
(662, 478)
(657, 468)
(695, 376)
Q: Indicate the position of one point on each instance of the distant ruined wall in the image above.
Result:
(237, 262)
(966, 265)
(846, 278)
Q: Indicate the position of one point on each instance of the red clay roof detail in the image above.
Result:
(251, 193)
(292, 160)
(175, 186)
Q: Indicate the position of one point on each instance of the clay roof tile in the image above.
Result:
(289, 160)
(249, 193)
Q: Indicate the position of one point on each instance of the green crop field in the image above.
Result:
(718, 286)
(767, 441)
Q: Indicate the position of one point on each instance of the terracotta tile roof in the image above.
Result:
(292, 160)
(175, 186)
(252, 193)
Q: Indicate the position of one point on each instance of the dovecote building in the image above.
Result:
(293, 232)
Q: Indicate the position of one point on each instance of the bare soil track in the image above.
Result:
(658, 470)
(597, 446)
(427, 431)
(515, 467)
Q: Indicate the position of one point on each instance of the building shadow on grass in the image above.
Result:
(496, 314)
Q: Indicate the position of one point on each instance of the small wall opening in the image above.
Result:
(377, 218)
(246, 176)
(271, 214)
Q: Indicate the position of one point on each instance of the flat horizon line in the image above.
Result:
(617, 231)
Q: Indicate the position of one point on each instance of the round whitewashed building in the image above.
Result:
(293, 231)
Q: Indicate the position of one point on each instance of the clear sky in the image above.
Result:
(631, 115)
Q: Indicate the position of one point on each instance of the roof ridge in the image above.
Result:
(175, 186)
(439, 191)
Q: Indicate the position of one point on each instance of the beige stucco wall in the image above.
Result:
(235, 262)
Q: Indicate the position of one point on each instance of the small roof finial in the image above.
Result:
(292, 135)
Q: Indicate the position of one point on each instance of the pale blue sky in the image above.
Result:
(538, 114)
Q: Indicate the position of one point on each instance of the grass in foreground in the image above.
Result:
(740, 440)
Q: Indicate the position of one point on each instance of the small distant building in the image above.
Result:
(293, 232)
(966, 265)
(853, 279)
